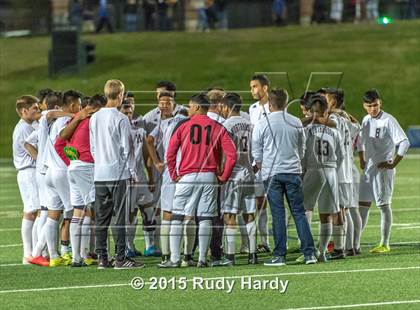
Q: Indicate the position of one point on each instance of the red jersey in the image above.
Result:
(202, 141)
(81, 142)
(59, 148)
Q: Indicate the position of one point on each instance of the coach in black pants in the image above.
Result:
(111, 148)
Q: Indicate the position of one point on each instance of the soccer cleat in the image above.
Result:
(40, 261)
(127, 263)
(152, 251)
(323, 258)
(78, 264)
(59, 261)
(202, 264)
(253, 259)
(311, 259)
(338, 254)
(89, 261)
(358, 251)
(244, 249)
(104, 263)
(350, 252)
(276, 261)
(137, 252)
(300, 259)
(263, 248)
(330, 247)
(220, 262)
(26, 260)
(67, 258)
(169, 264)
(131, 253)
(380, 249)
(187, 261)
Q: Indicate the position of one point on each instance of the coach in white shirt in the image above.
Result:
(278, 145)
(112, 149)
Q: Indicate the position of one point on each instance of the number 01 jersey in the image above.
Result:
(240, 129)
(323, 147)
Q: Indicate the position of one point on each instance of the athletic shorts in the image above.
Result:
(355, 189)
(238, 196)
(42, 190)
(259, 185)
(377, 185)
(158, 184)
(140, 195)
(320, 188)
(82, 188)
(58, 190)
(28, 188)
(196, 194)
(167, 192)
(344, 193)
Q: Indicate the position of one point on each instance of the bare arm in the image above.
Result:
(31, 150)
(52, 115)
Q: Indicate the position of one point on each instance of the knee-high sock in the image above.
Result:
(364, 214)
(131, 233)
(189, 236)
(349, 231)
(51, 234)
(85, 238)
(243, 231)
(325, 232)
(230, 239)
(357, 225)
(204, 237)
(338, 233)
(35, 232)
(41, 221)
(263, 226)
(40, 245)
(175, 240)
(26, 231)
(148, 230)
(386, 223)
(165, 229)
(251, 229)
(158, 222)
(75, 236)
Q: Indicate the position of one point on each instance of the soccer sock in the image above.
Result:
(157, 230)
(357, 224)
(204, 237)
(263, 226)
(308, 214)
(251, 229)
(243, 230)
(230, 238)
(364, 214)
(148, 238)
(325, 231)
(51, 232)
(189, 236)
(386, 223)
(149, 230)
(165, 228)
(40, 245)
(64, 246)
(131, 234)
(26, 231)
(85, 238)
(41, 221)
(75, 232)
(349, 231)
(338, 232)
(175, 240)
(35, 232)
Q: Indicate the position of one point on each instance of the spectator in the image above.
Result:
(149, 14)
(202, 21)
(131, 16)
(162, 10)
(104, 17)
(372, 10)
(76, 14)
(278, 11)
(220, 7)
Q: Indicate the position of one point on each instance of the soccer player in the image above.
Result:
(278, 146)
(202, 142)
(239, 191)
(324, 153)
(260, 86)
(112, 150)
(379, 136)
(27, 109)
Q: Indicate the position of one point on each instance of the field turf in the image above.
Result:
(389, 281)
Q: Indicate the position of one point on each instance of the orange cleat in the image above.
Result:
(40, 261)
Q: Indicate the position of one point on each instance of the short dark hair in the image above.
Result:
(215, 88)
(371, 96)
(202, 100)
(85, 101)
(43, 92)
(70, 96)
(25, 102)
(165, 94)
(183, 111)
(54, 98)
(233, 101)
(125, 105)
(128, 94)
(262, 78)
(97, 101)
(317, 103)
(168, 85)
(306, 97)
(278, 98)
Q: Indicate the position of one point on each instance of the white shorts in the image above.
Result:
(167, 192)
(140, 194)
(355, 189)
(28, 188)
(259, 185)
(42, 189)
(320, 188)
(344, 193)
(196, 194)
(82, 188)
(377, 185)
(58, 190)
(237, 196)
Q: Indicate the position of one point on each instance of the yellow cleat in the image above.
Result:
(67, 259)
(89, 261)
(59, 261)
(380, 249)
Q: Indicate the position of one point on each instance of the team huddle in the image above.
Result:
(201, 175)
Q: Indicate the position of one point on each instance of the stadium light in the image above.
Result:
(385, 20)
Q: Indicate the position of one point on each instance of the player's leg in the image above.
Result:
(325, 234)
(262, 215)
(244, 249)
(349, 245)
(75, 235)
(248, 213)
(148, 213)
(365, 198)
(230, 232)
(189, 233)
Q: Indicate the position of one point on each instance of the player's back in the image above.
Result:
(240, 129)
(21, 157)
(53, 160)
(323, 147)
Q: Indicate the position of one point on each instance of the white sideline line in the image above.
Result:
(10, 245)
(10, 229)
(408, 227)
(372, 304)
(216, 278)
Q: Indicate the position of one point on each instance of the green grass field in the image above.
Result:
(364, 282)
(368, 56)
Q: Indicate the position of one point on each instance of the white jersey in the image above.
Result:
(152, 118)
(216, 117)
(139, 136)
(378, 137)
(52, 159)
(158, 134)
(323, 147)
(241, 131)
(21, 157)
(256, 112)
(345, 170)
(111, 145)
(244, 115)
